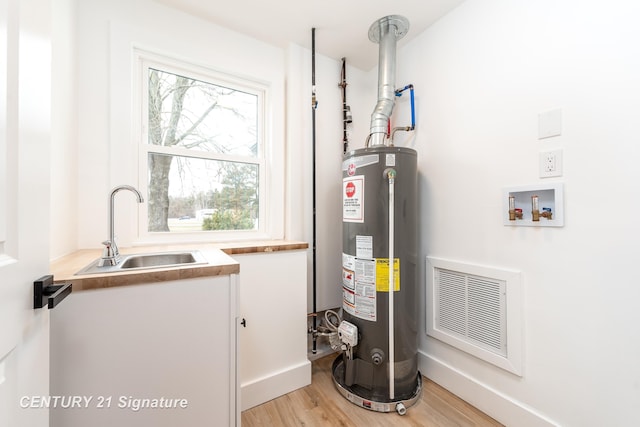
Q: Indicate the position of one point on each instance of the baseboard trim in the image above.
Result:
(502, 408)
(274, 385)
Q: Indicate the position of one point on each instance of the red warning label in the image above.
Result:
(353, 199)
(350, 189)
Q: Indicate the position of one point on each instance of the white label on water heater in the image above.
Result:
(348, 261)
(364, 247)
(366, 272)
(359, 288)
(390, 160)
(353, 199)
(348, 279)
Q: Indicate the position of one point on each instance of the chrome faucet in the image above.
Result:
(110, 253)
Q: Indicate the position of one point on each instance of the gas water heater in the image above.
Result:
(378, 367)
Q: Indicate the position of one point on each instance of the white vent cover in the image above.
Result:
(476, 309)
(473, 308)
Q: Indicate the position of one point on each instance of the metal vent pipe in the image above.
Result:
(386, 32)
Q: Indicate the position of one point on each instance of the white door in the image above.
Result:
(25, 53)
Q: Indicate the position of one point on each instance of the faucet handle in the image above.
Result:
(109, 254)
(108, 249)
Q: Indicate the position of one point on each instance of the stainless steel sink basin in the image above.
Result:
(155, 260)
(150, 260)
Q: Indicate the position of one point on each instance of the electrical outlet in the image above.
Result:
(550, 163)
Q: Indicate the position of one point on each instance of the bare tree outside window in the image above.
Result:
(203, 148)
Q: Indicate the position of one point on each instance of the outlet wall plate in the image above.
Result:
(550, 163)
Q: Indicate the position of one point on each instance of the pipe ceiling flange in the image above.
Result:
(382, 25)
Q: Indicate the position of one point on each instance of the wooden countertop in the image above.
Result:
(217, 255)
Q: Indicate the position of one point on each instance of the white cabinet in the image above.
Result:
(273, 345)
(128, 352)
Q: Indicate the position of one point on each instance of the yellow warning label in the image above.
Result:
(382, 274)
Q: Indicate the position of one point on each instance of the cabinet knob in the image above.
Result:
(244, 322)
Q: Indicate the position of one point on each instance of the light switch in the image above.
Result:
(550, 124)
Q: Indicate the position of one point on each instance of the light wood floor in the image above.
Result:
(320, 404)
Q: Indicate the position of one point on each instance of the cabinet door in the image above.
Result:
(273, 346)
(171, 340)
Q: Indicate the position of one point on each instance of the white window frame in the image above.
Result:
(271, 188)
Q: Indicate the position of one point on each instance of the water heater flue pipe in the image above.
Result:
(386, 32)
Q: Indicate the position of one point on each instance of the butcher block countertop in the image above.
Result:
(220, 263)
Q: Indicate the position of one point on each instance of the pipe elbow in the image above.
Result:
(380, 116)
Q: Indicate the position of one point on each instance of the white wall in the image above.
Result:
(300, 176)
(482, 75)
(328, 158)
(63, 129)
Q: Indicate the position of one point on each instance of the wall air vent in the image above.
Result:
(473, 308)
(476, 309)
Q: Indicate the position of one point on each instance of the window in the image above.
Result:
(202, 153)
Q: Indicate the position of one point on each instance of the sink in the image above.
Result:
(155, 260)
(134, 262)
